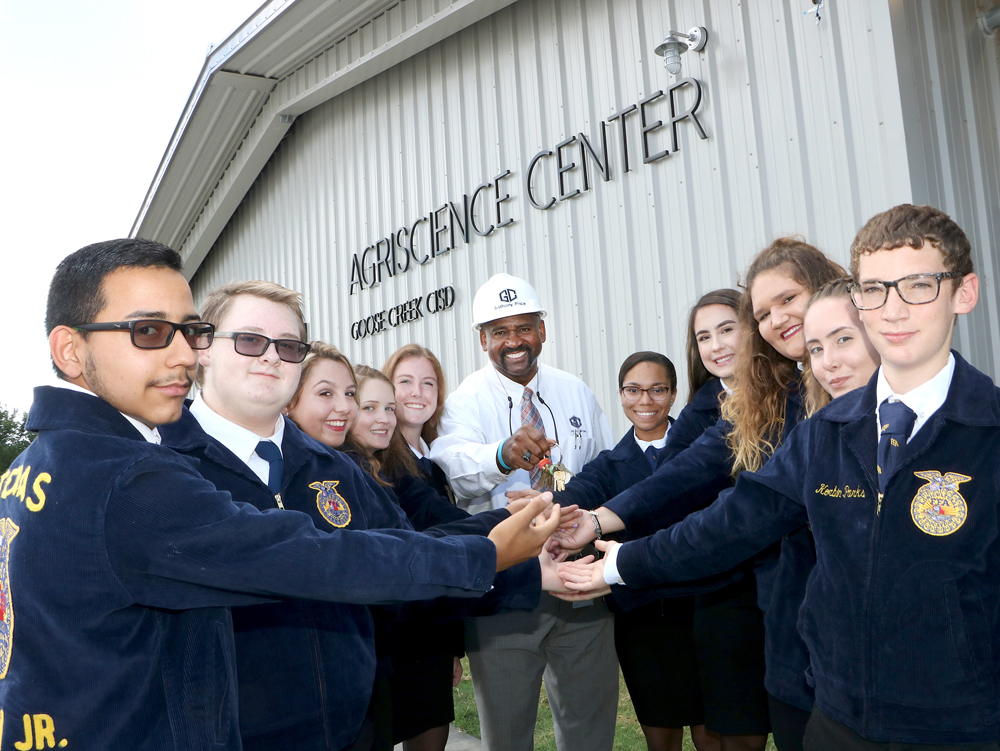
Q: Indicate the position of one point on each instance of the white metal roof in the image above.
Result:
(289, 57)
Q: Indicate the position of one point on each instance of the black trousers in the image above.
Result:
(823, 733)
(788, 724)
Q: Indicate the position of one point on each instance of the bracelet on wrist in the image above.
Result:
(597, 524)
(500, 462)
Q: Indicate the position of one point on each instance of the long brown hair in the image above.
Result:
(816, 396)
(756, 409)
(698, 374)
(395, 460)
(429, 432)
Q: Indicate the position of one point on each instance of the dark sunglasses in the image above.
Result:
(255, 345)
(153, 333)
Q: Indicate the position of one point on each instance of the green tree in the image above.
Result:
(14, 436)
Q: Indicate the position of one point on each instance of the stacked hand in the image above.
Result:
(527, 533)
(584, 579)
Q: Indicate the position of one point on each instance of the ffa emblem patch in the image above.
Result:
(330, 503)
(7, 532)
(938, 508)
(575, 421)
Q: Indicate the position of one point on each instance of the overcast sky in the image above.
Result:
(94, 90)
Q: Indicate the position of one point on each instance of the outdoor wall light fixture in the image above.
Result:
(990, 20)
(676, 43)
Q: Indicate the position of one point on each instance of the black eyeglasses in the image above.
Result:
(154, 333)
(656, 393)
(916, 289)
(255, 345)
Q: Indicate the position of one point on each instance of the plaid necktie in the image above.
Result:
(896, 420)
(530, 416)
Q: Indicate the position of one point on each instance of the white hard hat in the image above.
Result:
(504, 295)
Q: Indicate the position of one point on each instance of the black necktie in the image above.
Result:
(267, 451)
(896, 421)
(652, 456)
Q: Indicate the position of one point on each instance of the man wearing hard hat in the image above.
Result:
(496, 427)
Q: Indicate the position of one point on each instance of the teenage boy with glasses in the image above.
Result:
(120, 562)
(305, 669)
(899, 484)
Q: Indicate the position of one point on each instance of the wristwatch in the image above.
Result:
(597, 524)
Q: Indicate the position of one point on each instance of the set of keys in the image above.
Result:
(554, 476)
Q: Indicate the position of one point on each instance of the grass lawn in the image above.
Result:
(628, 734)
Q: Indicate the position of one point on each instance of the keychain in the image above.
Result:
(554, 476)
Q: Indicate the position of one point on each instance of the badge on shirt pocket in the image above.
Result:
(330, 503)
(578, 430)
(938, 508)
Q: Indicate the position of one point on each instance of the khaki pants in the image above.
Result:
(573, 648)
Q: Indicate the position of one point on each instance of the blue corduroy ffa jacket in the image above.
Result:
(688, 482)
(306, 662)
(118, 565)
(313, 663)
(902, 611)
(606, 475)
(698, 415)
(616, 470)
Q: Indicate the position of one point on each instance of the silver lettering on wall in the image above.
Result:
(570, 168)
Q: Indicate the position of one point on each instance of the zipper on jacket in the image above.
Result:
(277, 499)
(869, 608)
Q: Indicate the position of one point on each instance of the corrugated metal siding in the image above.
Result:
(805, 135)
(952, 102)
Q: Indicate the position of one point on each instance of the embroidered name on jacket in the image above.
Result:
(330, 503)
(938, 508)
(835, 491)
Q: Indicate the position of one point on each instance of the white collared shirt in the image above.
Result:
(486, 409)
(150, 434)
(924, 400)
(423, 451)
(239, 440)
(657, 444)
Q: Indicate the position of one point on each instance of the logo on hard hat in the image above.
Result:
(508, 295)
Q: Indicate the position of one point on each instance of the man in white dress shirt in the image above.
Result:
(496, 427)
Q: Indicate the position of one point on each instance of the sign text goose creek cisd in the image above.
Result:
(570, 166)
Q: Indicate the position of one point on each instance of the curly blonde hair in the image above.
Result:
(764, 377)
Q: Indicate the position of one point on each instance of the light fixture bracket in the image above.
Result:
(677, 42)
(694, 40)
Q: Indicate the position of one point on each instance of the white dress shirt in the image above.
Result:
(924, 400)
(657, 444)
(150, 434)
(239, 440)
(486, 409)
(423, 451)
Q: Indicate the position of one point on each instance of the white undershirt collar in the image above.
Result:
(924, 400)
(657, 444)
(236, 438)
(149, 434)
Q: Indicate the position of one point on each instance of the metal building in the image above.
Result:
(385, 157)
